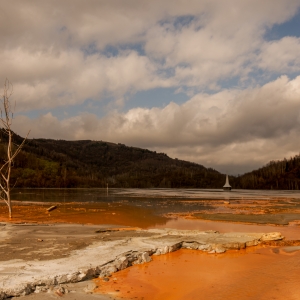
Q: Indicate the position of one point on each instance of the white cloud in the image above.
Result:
(220, 43)
(51, 79)
(60, 53)
(281, 55)
(53, 51)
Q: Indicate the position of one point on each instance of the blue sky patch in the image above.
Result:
(289, 28)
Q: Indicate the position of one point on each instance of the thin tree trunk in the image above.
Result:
(8, 172)
(6, 117)
(9, 208)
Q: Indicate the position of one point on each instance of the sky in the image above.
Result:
(209, 81)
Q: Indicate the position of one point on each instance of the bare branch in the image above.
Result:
(20, 147)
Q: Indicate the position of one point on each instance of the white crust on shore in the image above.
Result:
(102, 258)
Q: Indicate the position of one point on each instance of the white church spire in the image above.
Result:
(227, 186)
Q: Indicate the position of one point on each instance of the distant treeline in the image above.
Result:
(279, 175)
(68, 164)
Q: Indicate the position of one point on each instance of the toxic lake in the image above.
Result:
(184, 274)
(202, 209)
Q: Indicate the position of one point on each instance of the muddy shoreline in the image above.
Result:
(43, 253)
(43, 257)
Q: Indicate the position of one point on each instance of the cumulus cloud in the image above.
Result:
(50, 79)
(59, 54)
(218, 44)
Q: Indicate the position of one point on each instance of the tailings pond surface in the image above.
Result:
(254, 273)
(238, 210)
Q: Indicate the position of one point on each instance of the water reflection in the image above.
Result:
(95, 195)
(159, 205)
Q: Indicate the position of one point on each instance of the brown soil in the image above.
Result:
(257, 273)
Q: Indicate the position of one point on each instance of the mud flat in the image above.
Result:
(38, 258)
(275, 219)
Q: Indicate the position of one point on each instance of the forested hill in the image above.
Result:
(59, 163)
(281, 175)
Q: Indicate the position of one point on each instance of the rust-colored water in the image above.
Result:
(185, 274)
(105, 213)
(256, 273)
(82, 213)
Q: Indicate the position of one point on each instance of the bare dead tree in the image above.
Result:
(12, 150)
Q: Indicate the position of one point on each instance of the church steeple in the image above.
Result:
(227, 186)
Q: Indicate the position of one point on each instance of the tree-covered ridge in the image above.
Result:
(281, 175)
(59, 163)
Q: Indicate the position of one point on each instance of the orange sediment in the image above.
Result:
(125, 215)
(289, 232)
(255, 273)
(81, 213)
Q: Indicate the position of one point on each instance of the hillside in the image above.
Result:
(280, 175)
(60, 163)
